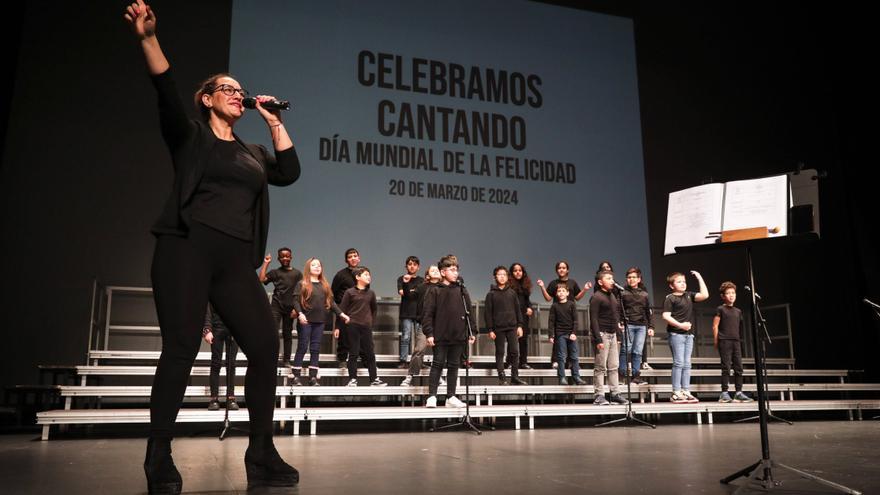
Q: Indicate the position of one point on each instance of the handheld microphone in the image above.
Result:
(251, 102)
(746, 287)
(616, 285)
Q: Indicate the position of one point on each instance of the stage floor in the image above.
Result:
(673, 459)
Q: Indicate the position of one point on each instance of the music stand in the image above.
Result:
(760, 473)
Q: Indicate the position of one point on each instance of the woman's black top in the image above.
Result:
(193, 147)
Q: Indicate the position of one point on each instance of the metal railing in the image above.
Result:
(124, 318)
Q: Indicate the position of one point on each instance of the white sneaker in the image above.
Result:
(454, 402)
(352, 383)
(646, 366)
(690, 398)
(679, 397)
(431, 402)
(555, 365)
(406, 381)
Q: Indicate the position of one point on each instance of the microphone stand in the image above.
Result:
(230, 380)
(876, 308)
(765, 337)
(629, 415)
(466, 420)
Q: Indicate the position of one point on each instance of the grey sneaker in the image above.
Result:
(724, 397)
(600, 400)
(378, 383)
(741, 397)
(618, 399)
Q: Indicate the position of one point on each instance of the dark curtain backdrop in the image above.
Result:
(727, 91)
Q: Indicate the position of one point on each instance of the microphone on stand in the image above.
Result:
(746, 287)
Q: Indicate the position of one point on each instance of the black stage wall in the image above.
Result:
(727, 92)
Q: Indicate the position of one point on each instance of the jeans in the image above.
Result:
(636, 335)
(566, 347)
(310, 336)
(606, 362)
(418, 355)
(682, 346)
(407, 327)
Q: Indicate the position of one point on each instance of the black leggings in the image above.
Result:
(187, 272)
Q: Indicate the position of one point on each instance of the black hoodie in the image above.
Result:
(502, 310)
(443, 315)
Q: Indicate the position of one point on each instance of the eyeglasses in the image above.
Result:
(230, 91)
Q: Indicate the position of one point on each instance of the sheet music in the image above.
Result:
(692, 214)
(757, 203)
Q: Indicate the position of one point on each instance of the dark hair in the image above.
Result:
(562, 286)
(672, 276)
(610, 268)
(498, 269)
(638, 272)
(284, 249)
(447, 261)
(603, 273)
(359, 270)
(567, 266)
(412, 258)
(205, 88)
(349, 251)
(525, 283)
(725, 286)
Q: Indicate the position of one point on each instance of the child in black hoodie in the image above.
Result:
(444, 325)
(504, 321)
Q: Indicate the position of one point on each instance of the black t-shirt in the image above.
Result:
(228, 190)
(285, 282)
(730, 326)
(682, 309)
(573, 288)
(409, 301)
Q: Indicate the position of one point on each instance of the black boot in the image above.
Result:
(514, 377)
(502, 378)
(162, 476)
(265, 467)
(297, 381)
